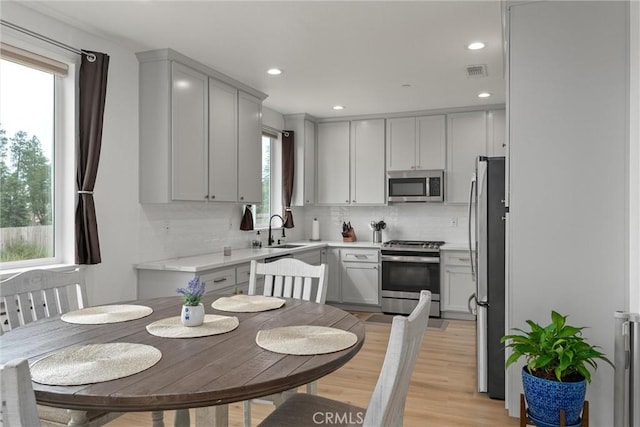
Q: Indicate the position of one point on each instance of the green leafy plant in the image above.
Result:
(192, 294)
(555, 352)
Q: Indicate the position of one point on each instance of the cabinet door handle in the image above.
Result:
(222, 279)
(241, 197)
(463, 259)
(353, 201)
(361, 256)
(213, 197)
(206, 196)
(347, 201)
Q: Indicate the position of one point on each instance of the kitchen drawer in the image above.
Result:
(360, 255)
(243, 272)
(456, 258)
(219, 279)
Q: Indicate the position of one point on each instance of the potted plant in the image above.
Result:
(192, 309)
(556, 375)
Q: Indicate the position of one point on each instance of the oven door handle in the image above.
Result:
(417, 259)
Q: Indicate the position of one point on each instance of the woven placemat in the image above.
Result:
(305, 340)
(172, 327)
(106, 314)
(247, 303)
(94, 363)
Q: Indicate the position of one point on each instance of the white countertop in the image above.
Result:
(455, 246)
(197, 263)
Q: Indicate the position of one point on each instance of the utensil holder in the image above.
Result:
(377, 236)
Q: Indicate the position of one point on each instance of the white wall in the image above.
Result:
(634, 159)
(568, 173)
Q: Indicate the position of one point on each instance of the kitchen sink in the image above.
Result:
(287, 246)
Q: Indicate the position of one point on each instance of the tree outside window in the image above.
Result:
(26, 167)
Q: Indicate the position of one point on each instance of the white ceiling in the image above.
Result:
(359, 54)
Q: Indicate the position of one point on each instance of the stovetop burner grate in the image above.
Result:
(427, 244)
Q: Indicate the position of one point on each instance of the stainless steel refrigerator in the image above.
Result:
(487, 215)
(626, 386)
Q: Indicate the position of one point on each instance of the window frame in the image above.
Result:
(64, 150)
(275, 191)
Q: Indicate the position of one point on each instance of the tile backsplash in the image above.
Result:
(410, 221)
(185, 229)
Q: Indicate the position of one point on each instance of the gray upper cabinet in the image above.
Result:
(249, 148)
(223, 134)
(200, 132)
(350, 163)
(189, 139)
(333, 163)
(466, 139)
(416, 143)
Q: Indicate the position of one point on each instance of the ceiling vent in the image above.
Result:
(476, 71)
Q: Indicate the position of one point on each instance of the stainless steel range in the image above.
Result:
(409, 266)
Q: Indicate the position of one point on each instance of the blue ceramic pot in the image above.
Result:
(545, 398)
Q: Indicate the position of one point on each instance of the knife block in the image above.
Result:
(349, 235)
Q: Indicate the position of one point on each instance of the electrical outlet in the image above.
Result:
(454, 221)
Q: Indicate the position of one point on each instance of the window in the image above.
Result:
(34, 187)
(271, 181)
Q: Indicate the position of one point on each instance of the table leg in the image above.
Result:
(77, 418)
(212, 416)
(181, 418)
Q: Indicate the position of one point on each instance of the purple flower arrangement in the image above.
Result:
(192, 294)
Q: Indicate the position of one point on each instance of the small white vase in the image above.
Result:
(192, 315)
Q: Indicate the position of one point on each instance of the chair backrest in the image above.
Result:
(16, 394)
(36, 294)
(386, 407)
(289, 278)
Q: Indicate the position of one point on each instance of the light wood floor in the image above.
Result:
(442, 391)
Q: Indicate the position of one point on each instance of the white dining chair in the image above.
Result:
(386, 406)
(287, 278)
(38, 294)
(16, 394)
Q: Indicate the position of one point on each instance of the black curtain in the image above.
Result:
(92, 94)
(288, 158)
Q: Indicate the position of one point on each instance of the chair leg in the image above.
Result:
(182, 418)
(157, 419)
(247, 413)
(77, 418)
(312, 388)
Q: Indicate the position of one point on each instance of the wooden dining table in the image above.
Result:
(204, 373)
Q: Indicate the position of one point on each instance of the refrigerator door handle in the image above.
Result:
(472, 310)
(471, 191)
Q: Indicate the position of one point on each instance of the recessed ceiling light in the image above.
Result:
(484, 95)
(274, 71)
(475, 46)
(406, 85)
(338, 107)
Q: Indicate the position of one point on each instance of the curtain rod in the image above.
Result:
(90, 56)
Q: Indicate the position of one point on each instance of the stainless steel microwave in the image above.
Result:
(416, 186)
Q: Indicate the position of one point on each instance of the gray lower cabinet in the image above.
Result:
(360, 276)
(163, 283)
(457, 285)
(332, 259)
(313, 257)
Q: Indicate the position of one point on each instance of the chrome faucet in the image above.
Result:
(270, 239)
